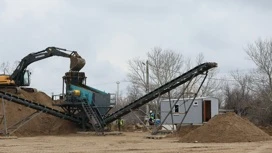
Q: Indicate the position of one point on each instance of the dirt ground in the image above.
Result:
(128, 142)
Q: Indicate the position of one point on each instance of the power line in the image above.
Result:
(221, 79)
(112, 82)
(127, 81)
(211, 78)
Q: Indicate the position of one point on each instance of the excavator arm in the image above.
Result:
(20, 74)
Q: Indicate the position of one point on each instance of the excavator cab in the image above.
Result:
(25, 78)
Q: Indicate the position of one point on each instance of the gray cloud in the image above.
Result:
(109, 33)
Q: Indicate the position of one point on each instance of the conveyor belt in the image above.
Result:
(200, 69)
(39, 107)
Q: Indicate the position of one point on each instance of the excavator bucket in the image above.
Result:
(77, 63)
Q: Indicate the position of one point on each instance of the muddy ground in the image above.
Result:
(129, 142)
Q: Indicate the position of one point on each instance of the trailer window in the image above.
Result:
(195, 103)
(176, 108)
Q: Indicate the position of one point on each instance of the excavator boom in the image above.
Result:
(18, 76)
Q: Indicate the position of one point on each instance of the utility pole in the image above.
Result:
(147, 88)
(147, 91)
(117, 93)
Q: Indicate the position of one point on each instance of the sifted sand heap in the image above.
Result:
(226, 128)
(185, 130)
(267, 129)
(42, 124)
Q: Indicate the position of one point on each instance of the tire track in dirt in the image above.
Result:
(266, 148)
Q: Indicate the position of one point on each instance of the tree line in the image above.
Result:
(249, 93)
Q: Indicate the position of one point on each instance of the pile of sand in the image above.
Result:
(185, 130)
(43, 124)
(226, 128)
(267, 129)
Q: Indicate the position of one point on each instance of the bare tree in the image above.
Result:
(5, 66)
(251, 94)
(165, 65)
(260, 52)
(8, 68)
(137, 74)
(211, 85)
(238, 95)
(133, 92)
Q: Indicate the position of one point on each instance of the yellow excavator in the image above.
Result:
(21, 76)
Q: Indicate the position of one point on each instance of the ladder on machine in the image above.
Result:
(93, 117)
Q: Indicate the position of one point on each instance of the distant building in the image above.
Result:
(202, 110)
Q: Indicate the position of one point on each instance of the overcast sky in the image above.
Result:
(107, 34)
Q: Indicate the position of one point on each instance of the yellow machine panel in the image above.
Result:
(5, 80)
(76, 92)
